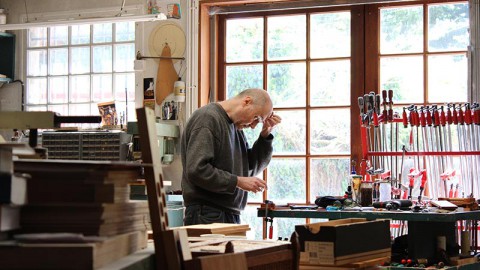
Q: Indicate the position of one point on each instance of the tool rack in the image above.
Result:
(436, 137)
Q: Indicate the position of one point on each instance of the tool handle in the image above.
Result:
(428, 116)
(461, 119)
(423, 122)
(390, 105)
(443, 121)
(468, 114)
(270, 231)
(404, 118)
(384, 98)
(361, 105)
(476, 116)
(416, 117)
(449, 115)
(377, 104)
(454, 115)
(436, 117)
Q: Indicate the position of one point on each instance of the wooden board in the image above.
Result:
(71, 256)
(166, 76)
(216, 228)
(92, 172)
(165, 240)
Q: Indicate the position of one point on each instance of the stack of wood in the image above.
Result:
(89, 201)
(13, 189)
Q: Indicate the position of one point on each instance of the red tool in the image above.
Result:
(405, 118)
(422, 184)
(414, 174)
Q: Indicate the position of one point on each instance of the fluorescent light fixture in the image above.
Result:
(123, 18)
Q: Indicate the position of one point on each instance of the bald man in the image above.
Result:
(219, 166)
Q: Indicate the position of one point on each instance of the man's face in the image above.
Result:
(251, 118)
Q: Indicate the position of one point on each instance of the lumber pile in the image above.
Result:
(86, 200)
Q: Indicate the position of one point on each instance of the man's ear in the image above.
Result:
(247, 101)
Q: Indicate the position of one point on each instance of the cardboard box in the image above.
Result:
(343, 241)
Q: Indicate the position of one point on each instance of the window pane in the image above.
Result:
(58, 89)
(120, 107)
(249, 216)
(80, 88)
(58, 35)
(330, 35)
(287, 84)
(37, 37)
(448, 27)
(58, 61)
(328, 177)
(80, 62)
(125, 31)
(102, 87)
(124, 83)
(404, 75)
(240, 78)
(102, 59)
(330, 83)
(330, 131)
(37, 63)
(286, 37)
(102, 33)
(79, 109)
(447, 78)
(246, 34)
(286, 180)
(401, 30)
(124, 57)
(60, 109)
(80, 34)
(35, 108)
(37, 91)
(290, 135)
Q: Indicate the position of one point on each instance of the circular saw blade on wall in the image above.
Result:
(167, 33)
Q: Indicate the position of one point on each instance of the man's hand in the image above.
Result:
(253, 184)
(269, 123)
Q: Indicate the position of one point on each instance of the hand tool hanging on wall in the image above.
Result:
(469, 144)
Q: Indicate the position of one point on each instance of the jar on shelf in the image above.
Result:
(366, 194)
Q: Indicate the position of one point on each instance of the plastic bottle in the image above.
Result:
(179, 90)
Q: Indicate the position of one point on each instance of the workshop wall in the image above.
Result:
(11, 94)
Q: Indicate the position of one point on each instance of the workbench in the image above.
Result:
(423, 227)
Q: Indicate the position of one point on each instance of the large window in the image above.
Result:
(315, 63)
(72, 68)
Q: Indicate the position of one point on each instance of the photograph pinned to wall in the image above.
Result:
(149, 103)
(153, 7)
(170, 110)
(108, 113)
(174, 11)
(148, 88)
